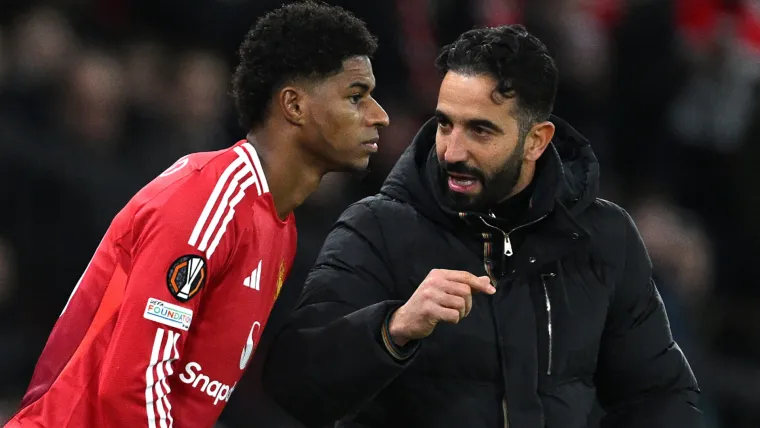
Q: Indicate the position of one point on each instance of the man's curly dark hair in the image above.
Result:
(299, 40)
(519, 62)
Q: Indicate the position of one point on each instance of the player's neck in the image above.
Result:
(291, 177)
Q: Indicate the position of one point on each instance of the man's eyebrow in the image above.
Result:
(472, 123)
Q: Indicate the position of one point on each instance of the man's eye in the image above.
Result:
(479, 130)
(355, 99)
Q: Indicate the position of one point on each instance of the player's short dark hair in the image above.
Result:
(518, 60)
(299, 40)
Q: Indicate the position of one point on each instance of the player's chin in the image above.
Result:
(359, 164)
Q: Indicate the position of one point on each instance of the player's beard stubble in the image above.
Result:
(495, 187)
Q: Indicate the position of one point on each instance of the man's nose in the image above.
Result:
(456, 150)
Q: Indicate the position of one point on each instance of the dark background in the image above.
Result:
(99, 96)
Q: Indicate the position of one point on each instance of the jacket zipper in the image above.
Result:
(549, 322)
(487, 257)
(508, 251)
(486, 260)
(504, 411)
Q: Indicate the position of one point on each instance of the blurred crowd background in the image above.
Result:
(99, 96)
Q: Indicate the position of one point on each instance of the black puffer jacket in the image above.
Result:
(576, 315)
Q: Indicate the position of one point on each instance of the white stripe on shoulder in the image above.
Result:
(212, 200)
(236, 200)
(229, 190)
(224, 204)
(248, 163)
(257, 166)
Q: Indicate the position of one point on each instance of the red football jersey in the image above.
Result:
(165, 318)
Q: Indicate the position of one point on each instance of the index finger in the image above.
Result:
(477, 283)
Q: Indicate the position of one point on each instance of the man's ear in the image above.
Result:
(293, 103)
(538, 139)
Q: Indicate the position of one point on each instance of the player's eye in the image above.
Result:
(355, 99)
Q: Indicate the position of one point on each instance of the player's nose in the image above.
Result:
(377, 116)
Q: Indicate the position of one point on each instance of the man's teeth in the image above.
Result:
(463, 181)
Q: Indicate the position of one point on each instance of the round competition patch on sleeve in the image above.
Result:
(186, 276)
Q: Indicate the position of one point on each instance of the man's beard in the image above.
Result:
(494, 188)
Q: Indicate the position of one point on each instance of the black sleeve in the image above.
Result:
(332, 355)
(643, 378)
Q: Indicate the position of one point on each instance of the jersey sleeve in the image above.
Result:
(174, 256)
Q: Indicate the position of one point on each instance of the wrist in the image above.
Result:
(401, 348)
(394, 330)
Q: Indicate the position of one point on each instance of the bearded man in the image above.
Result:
(486, 285)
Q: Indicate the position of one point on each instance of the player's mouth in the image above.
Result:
(463, 183)
(371, 145)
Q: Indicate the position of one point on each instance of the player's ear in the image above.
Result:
(291, 101)
(538, 139)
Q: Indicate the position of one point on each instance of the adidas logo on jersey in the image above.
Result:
(254, 281)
